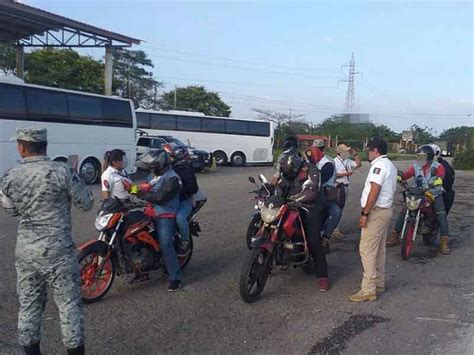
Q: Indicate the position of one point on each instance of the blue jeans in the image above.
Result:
(166, 232)
(334, 216)
(185, 209)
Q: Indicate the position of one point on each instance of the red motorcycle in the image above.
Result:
(281, 241)
(127, 244)
(419, 218)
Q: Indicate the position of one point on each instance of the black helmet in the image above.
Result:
(290, 142)
(426, 150)
(290, 163)
(155, 160)
(180, 154)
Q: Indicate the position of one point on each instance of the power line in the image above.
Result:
(242, 68)
(229, 59)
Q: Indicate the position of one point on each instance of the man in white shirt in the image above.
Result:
(376, 202)
(344, 170)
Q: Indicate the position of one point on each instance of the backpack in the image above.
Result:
(449, 176)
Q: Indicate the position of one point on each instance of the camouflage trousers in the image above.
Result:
(62, 276)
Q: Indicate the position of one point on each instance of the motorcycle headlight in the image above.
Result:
(269, 215)
(413, 203)
(102, 221)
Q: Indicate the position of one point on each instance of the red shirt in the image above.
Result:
(440, 171)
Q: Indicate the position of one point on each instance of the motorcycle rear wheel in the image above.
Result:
(407, 241)
(95, 286)
(254, 274)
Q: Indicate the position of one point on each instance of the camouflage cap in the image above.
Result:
(31, 134)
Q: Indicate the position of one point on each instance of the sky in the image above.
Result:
(416, 58)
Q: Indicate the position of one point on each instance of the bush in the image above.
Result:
(464, 160)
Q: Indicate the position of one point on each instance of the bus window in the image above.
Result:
(85, 107)
(143, 120)
(46, 103)
(117, 113)
(259, 129)
(163, 122)
(186, 123)
(213, 125)
(12, 100)
(237, 127)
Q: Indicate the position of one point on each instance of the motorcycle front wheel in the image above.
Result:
(407, 241)
(253, 229)
(254, 274)
(97, 272)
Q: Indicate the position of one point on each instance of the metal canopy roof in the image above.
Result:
(32, 27)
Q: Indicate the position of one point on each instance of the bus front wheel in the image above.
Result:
(237, 159)
(221, 157)
(90, 171)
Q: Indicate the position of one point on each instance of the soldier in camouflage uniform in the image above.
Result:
(40, 191)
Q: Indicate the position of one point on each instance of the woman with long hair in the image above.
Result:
(115, 180)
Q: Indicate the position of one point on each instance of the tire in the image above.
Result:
(237, 159)
(221, 158)
(184, 258)
(255, 271)
(407, 241)
(91, 288)
(90, 171)
(252, 229)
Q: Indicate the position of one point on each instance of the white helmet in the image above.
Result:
(437, 149)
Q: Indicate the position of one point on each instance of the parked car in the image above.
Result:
(201, 159)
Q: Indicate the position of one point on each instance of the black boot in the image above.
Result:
(32, 349)
(76, 351)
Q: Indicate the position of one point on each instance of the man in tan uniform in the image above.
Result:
(376, 203)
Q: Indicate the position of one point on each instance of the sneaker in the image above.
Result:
(174, 286)
(323, 284)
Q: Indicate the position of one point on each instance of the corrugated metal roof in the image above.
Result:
(20, 21)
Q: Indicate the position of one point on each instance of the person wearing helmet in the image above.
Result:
(164, 195)
(448, 180)
(181, 162)
(299, 180)
(429, 174)
(328, 182)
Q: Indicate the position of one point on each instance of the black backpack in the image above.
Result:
(449, 176)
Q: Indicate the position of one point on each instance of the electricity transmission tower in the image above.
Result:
(350, 95)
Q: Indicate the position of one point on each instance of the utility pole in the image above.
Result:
(155, 93)
(350, 95)
(175, 97)
(290, 112)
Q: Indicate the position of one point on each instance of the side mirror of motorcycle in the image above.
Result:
(251, 179)
(263, 179)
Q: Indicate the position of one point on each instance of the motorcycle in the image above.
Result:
(262, 193)
(281, 241)
(127, 244)
(419, 218)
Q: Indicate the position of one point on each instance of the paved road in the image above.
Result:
(427, 307)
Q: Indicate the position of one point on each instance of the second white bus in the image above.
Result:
(230, 140)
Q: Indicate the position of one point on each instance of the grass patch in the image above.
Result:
(464, 160)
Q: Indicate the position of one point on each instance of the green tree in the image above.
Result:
(463, 135)
(64, 68)
(196, 98)
(7, 58)
(133, 78)
(423, 135)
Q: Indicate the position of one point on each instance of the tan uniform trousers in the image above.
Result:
(372, 249)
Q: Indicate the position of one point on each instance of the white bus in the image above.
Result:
(86, 125)
(230, 140)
